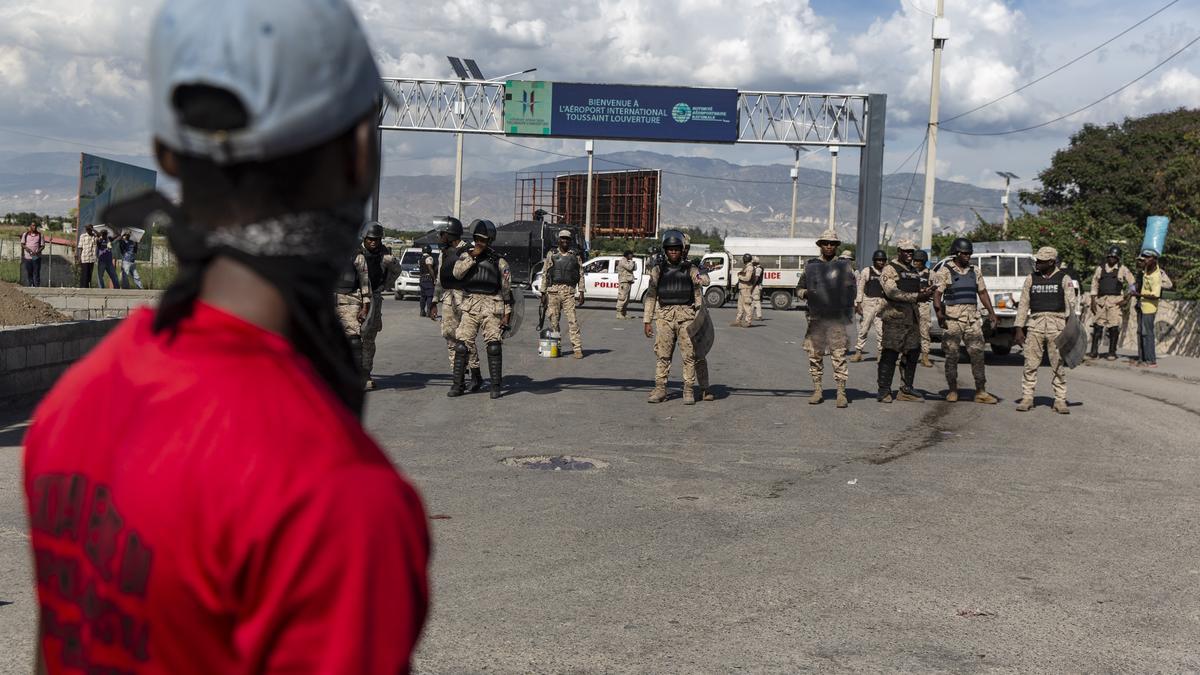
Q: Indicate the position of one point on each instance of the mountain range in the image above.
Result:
(748, 200)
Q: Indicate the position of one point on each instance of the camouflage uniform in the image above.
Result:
(745, 310)
(482, 313)
(389, 270)
(1108, 307)
(900, 315)
(625, 269)
(1041, 330)
(670, 326)
(963, 326)
(872, 314)
(450, 310)
(756, 291)
(828, 333)
(926, 314)
(560, 299)
(349, 303)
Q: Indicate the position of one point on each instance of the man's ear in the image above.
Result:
(167, 159)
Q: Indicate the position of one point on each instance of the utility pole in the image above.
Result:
(587, 218)
(941, 32)
(1007, 176)
(833, 152)
(795, 186)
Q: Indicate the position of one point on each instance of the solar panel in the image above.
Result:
(458, 67)
(475, 72)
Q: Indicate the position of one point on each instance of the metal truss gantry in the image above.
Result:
(764, 117)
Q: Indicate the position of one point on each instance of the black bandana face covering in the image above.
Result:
(300, 254)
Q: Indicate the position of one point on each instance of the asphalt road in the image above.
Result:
(761, 534)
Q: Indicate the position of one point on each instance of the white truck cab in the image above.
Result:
(782, 261)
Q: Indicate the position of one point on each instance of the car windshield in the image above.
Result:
(411, 258)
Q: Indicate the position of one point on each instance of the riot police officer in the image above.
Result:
(427, 283)
(487, 303)
(902, 287)
(448, 294)
(921, 262)
(382, 270)
(562, 284)
(828, 284)
(352, 297)
(869, 304)
(673, 296)
(745, 301)
(1110, 284)
(958, 291)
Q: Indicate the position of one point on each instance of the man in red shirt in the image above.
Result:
(241, 521)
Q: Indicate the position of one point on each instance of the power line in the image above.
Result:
(1076, 112)
(60, 140)
(847, 190)
(1072, 62)
(900, 218)
(910, 155)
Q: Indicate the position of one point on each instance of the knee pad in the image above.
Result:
(494, 348)
(460, 347)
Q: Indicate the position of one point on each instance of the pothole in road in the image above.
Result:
(555, 463)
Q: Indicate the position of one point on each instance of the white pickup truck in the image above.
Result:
(600, 279)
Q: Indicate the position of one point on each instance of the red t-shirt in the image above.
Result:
(205, 505)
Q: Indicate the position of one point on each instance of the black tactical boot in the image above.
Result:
(1097, 332)
(908, 376)
(460, 371)
(886, 372)
(495, 367)
(1114, 334)
(476, 380)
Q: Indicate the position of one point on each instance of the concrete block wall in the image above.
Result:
(33, 357)
(94, 303)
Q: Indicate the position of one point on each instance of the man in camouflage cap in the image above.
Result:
(1041, 317)
(828, 284)
(901, 335)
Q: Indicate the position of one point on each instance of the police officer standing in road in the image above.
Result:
(562, 282)
(353, 299)
(673, 296)
(757, 289)
(382, 269)
(902, 287)
(869, 305)
(829, 285)
(1041, 317)
(956, 289)
(625, 269)
(745, 293)
(487, 304)
(448, 295)
(921, 262)
(427, 283)
(1110, 284)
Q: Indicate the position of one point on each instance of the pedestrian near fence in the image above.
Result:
(32, 244)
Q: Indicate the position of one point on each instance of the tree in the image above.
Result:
(1102, 187)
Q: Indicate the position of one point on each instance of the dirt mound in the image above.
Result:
(19, 309)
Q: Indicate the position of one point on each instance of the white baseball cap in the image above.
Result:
(302, 68)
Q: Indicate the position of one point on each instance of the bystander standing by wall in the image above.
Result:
(32, 243)
(85, 255)
(128, 248)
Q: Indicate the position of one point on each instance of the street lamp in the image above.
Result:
(1008, 177)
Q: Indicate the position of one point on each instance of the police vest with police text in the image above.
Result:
(1047, 294)
(910, 279)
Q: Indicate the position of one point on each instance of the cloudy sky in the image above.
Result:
(73, 73)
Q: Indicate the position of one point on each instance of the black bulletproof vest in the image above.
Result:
(375, 268)
(874, 289)
(564, 268)
(963, 289)
(484, 277)
(425, 274)
(1110, 283)
(1046, 293)
(348, 281)
(450, 255)
(910, 280)
(924, 278)
(675, 285)
(829, 288)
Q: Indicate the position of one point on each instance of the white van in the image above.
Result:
(782, 259)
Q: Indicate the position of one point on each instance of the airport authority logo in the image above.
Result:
(681, 113)
(528, 102)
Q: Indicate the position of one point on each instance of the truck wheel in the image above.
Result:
(399, 295)
(714, 297)
(1001, 350)
(781, 300)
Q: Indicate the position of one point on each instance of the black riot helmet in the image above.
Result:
(426, 249)
(879, 255)
(450, 225)
(485, 229)
(1114, 252)
(920, 255)
(373, 231)
(747, 258)
(962, 245)
(672, 238)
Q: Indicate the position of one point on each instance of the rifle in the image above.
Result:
(542, 313)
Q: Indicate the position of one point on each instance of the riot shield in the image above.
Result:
(830, 289)
(1071, 343)
(518, 313)
(701, 332)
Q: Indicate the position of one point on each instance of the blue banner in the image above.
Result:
(622, 112)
